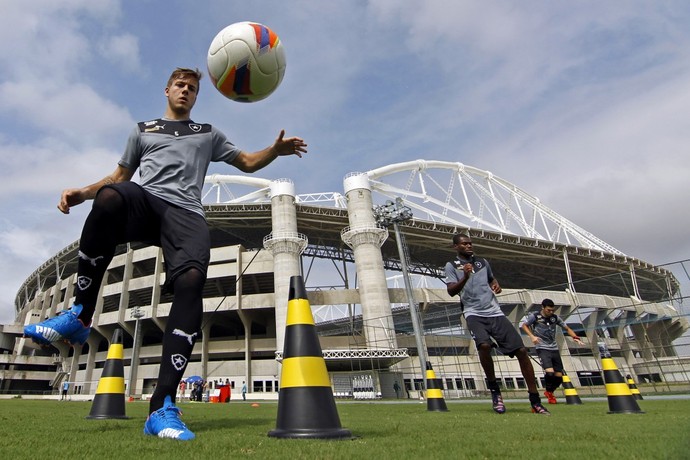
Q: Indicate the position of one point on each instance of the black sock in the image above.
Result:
(102, 229)
(549, 382)
(534, 398)
(181, 333)
(492, 385)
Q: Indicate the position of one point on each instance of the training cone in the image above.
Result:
(621, 400)
(110, 394)
(434, 394)
(306, 405)
(569, 391)
(633, 388)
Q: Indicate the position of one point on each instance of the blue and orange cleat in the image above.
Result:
(65, 326)
(166, 423)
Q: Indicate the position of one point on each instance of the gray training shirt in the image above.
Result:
(173, 158)
(545, 329)
(477, 297)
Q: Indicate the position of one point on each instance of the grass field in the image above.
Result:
(42, 429)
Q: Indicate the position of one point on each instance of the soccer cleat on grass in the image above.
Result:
(497, 403)
(65, 326)
(539, 409)
(550, 397)
(166, 423)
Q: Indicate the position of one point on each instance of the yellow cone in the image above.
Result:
(434, 393)
(621, 400)
(110, 394)
(569, 391)
(306, 405)
(633, 388)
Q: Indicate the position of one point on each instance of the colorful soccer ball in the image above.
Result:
(246, 61)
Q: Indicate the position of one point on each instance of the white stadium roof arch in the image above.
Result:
(441, 192)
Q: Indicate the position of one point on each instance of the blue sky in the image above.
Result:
(584, 104)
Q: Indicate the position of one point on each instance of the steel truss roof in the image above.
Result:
(528, 244)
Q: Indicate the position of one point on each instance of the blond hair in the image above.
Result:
(182, 72)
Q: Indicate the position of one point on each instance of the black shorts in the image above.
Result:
(550, 358)
(495, 331)
(183, 234)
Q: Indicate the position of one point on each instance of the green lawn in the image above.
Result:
(39, 429)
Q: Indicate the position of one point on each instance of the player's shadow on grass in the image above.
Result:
(100, 426)
(225, 423)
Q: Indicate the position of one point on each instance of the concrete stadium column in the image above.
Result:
(74, 367)
(365, 238)
(205, 339)
(627, 351)
(122, 313)
(642, 342)
(158, 273)
(68, 285)
(286, 245)
(89, 385)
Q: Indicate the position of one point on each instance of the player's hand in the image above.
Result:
(578, 340)
(467, 269)
(289, 145)
(535, 340)
(70, 197)
(496, 288)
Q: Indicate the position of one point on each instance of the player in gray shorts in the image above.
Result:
(471, 278)
(541, 328)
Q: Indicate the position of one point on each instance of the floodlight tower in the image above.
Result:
(392, 214)
(137, 314)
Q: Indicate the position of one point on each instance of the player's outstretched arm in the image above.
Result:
(74, 196)
(251, 162)
(574, 336)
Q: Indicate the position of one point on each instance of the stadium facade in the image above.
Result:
(263, 233)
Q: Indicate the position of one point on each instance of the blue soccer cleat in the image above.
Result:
(65, 326)
(166, 423)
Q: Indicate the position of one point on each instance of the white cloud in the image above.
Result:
(123, 51)
(20, 243)
(33, 168)
(74, 112)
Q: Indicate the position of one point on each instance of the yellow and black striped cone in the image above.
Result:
(633, 388)
(621, 400)
(110, 394)
(569, 391)
(306, 405)
(434, 393)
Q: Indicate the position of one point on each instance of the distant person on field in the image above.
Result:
(244, 391)
(541, 328)
(471, 278)
(172, 154)
(65, 390)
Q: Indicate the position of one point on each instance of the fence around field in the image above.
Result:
(648, 340)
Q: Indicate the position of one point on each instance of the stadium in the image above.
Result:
(372, 258)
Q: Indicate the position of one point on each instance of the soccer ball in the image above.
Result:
(246, 61)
